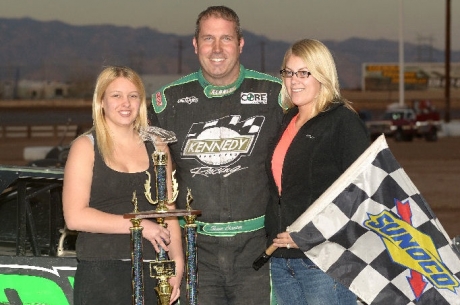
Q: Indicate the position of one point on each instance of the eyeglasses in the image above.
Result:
(300, 74)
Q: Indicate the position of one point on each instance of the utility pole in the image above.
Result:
(401, 54)
(447, 65)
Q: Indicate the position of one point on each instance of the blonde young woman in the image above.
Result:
(105, 166)
(319, 138)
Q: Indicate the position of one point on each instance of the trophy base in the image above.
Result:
(161, 214)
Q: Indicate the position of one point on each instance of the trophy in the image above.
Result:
(162, 268)
(190, 253)
(136, 256)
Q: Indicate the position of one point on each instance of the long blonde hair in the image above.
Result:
(107, 76)
(321, 65)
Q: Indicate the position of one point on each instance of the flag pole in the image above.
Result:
(264, 257)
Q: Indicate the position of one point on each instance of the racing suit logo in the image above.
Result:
(158, 99)
(188, 100)
(253, 98)
(222, 142)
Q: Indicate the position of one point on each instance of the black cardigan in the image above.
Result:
(324, 147)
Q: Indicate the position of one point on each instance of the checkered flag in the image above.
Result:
(232, 122)
(374, 232)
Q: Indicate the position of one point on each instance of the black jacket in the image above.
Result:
(324, 147)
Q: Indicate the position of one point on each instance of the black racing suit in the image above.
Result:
(223, 134)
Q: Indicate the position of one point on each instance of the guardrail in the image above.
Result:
(36, 131)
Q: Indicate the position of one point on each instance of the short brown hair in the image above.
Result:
(219, 12)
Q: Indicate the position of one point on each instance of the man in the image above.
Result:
(223, 116)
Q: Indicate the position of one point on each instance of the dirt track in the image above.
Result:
(434, 167)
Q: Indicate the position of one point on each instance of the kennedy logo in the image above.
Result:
(253, 98)
(219, 143)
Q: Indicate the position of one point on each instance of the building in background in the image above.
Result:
(417, 76)
(30, 89)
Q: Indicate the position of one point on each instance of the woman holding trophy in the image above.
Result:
(104, 178)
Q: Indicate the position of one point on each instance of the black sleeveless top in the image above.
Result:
(112, 192)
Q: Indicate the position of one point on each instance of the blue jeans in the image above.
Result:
(299, 281)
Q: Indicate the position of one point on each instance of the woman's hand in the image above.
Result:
(158, 235)
(176, 254)
(175, 282)
(284, 240)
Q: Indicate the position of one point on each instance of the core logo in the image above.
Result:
(411, 248)
(253, 98)
(223, 141)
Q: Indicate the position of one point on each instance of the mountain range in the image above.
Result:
(57, 51)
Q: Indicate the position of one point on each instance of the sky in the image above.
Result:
(423, 21)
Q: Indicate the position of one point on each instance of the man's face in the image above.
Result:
(218, 51)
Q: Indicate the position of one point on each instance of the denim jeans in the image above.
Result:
(299, 281)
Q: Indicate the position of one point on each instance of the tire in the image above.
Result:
(62, 157)
(45, 163)
(408, 138)
(53, 153)
(432, 135)
(399, 136)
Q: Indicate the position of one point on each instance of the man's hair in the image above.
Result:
(219, 12)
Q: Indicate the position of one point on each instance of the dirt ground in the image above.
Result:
(434, 168)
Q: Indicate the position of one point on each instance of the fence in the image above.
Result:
(38, 131)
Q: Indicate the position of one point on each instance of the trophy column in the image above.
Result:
(162, 268)
(136, 258)
(191, 254)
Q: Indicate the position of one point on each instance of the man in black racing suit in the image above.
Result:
(224, 117)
